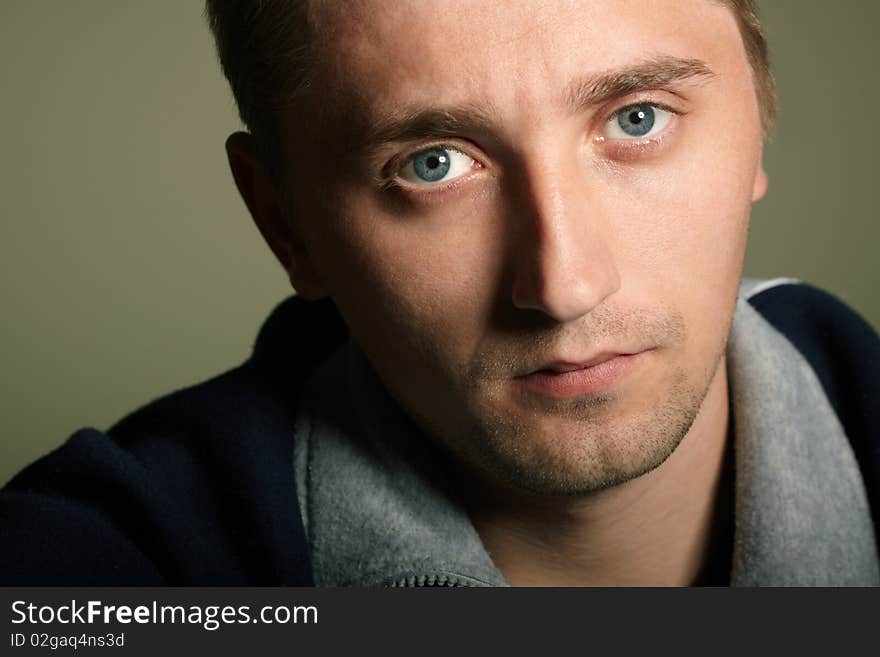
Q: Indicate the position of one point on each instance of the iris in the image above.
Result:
(431, 165)
(636, 120)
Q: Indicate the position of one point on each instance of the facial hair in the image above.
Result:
(602, 440)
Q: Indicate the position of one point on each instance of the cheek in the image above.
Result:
(682, 231)
(682, 236)
(414, 286)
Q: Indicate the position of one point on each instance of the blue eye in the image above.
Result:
(431, 165)
(434, 165)
(636, 121)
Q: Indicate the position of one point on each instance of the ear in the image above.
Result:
(759, 186)
(270, 215)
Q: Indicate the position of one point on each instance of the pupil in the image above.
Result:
(431, 165)
(636, 121)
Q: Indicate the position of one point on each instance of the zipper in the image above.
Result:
(441, 579)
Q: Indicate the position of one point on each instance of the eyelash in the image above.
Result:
(625, 149)
(389, 178)
(644, 101)
(630, 148)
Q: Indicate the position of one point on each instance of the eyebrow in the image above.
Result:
(652, 74)
(426, 123)
(581, 94)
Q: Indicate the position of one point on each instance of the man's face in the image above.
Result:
(495, 192)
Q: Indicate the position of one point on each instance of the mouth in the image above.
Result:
(563, 379)
(560, 367)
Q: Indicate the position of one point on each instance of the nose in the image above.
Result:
(564, 265)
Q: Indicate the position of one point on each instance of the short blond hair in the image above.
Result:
(264, 50)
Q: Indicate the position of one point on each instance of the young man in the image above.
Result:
(521, 351)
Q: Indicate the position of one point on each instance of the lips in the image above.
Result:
(561, 379)
(565, 366)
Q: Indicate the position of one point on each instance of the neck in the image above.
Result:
(655, 530)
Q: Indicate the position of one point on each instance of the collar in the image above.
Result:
(376, 513)
(802, 515)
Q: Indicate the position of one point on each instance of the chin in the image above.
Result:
(585, 445)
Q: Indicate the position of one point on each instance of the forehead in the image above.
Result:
(375, 54)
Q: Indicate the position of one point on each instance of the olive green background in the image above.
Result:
(130, 266)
